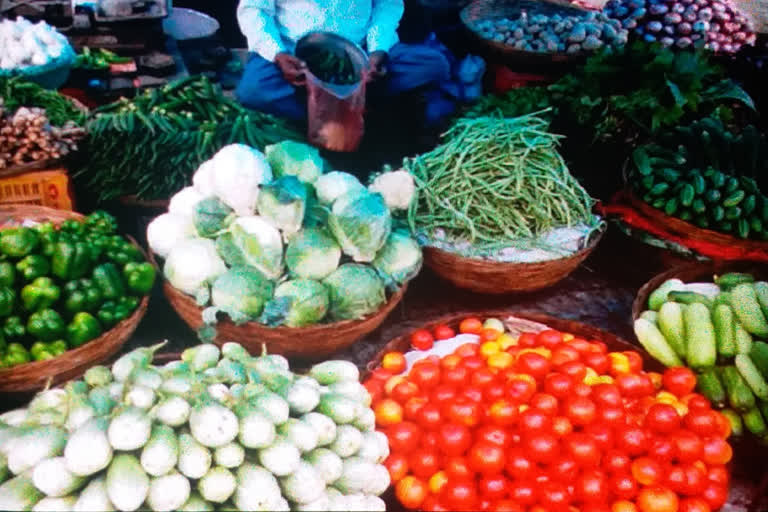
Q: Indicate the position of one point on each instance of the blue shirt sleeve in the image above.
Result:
(257, 23)
(385, 18)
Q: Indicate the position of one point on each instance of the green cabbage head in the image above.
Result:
(241, 292)
(399, 260)
(361, 223)
(297, 303)
(312, 254)
(355, 291)
(295, 159)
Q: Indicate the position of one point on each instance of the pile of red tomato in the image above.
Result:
(546, 422)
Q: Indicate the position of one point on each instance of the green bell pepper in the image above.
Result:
(140, 277)
(121, 251)
(7, 301)
(71, 260)
(48, 243)
(83, 328)
(16, 354)
(73, 226)
(58, 347)
(3, 342)
(13, 329)
(46, 325)
(7, 274)
(33, 266)
(101, 222)
(81, 295)
(40, 294)
(45, 228)
(112, 312)
(109, 281)
(18, 242)
(41, 351)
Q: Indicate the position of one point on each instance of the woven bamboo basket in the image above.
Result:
(493, 277)
(518, 322)
(312, 342)
(481, 10)
(72, 363)
(694, 272)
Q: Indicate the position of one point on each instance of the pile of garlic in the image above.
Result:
(25, 44)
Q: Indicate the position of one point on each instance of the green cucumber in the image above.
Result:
(754, 422)
(743, 339)
(670, 208)
(687, 194)
(740, 396)
(699, 206)
(752, 376)
(734, 199)
(759, 356)
(723, 320)
(747, 308)
(749, 204)
(737, 425)
(651, 316)
(685, 297)
(731, 279)
(700, 336)
(658, 297)
(708, 382)
(731, 185)
(712, 196)
(761, 291)
(717, 213)
(699, 184)
(671, 325)
(743, 228)
(755, 225)
(654, 342)
(733, 213)
(642, 163)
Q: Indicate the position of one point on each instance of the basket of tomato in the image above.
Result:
(533, 413)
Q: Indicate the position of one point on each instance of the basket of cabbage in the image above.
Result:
(270, 248)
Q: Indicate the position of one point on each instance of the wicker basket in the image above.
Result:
(518, 322)
(313, 342)
(493, 277)
(481, 10)
(72, 363)
(694, 272)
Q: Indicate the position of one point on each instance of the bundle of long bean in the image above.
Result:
(17, 92)
(150, 146)
(496, 179)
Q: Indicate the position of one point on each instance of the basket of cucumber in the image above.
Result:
(712, 317)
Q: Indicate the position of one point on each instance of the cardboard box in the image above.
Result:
(45, 188)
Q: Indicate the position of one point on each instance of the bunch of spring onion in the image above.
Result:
(218, 429)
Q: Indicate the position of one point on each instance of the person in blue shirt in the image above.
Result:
(272, 28)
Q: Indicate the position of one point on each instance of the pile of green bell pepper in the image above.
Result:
(63, 286)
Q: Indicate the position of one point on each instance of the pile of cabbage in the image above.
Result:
(216, 430)
(273, 238)
(30, 47)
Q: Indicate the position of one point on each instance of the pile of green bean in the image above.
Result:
(496, 179)
(150, 146)
(331, 67)
(17, 92)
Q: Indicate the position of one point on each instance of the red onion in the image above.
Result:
(690, 17)
(667, 41)
(740, 36)
(718, 7)
(722, 16)
(683, 42)
(680, 8)
(684, 28)
(730, 28)
(714, 46)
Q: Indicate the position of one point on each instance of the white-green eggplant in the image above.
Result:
(129, 429)
(218, 485)
(52, 477)
(127, 483)
(161, 453)
(168, 492)
(88, 449)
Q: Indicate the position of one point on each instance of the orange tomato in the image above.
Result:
(397, 465)
(388, 412)
(411, 492)
(489, 335)
(450, 361)
(437, 482)
(389, 385)
(623, 506)
(393, 362)
(657, 499)
(471, 325)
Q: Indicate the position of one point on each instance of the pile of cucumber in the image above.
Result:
(715, 328)
(705, 175)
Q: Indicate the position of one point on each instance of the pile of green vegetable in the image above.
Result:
(18, 92)
(329, 66)
(216, 430)
(705, 174)
(712, 327)
(150, 146)
(271, 238)
(62, 286)
(494, 180)
(98, 59)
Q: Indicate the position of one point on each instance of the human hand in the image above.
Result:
(377, 65)
(291, 66)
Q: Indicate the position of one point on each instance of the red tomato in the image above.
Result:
(482, 378)
(575, 370)
(679, 380)
(633, 440)
(429, 440)
(657, 499)
(695, 480)
(520, 390)
(523, 492)
(454, 439)
(527, 340)
(422, 340)
(702, 422)
(520, 465)
(613, 416)
(719, 475)
(404, 391)
(694, 505)
(450, 362)
(429, 417)
(635, 361)
(602, 435)
(662, 449)
(715, 495)
(467, 350)
(493, 487)
(473, 363)
(598, 361)
(494, 391)
(558, 385)
(397, 465)
(662, 418)
(564, 354)
(495, 435)
(473, 393)
(564, 469)
(607, 395)
(443, 332)
(696, 402)
(375, 388)
(579, 344)
(506, 506)
(549, 338)
(689, 446)
(463, 411)
(591, 487)
(544, 403)
(676, 478)
(442, 394)
(459, 495)
(561, 426)
(432, 504)
(456, 377)
(623, 486)
(426, 375)
(724, 429)
(381, 373)
(581, 411)
(598, 346)
(486, 458)
(583, 449)
(393, 362)
(411, 492)
(458, 467)
(471, 325)
(532, 420)
(424, 463)
(717, 451)
(554, 497)
(616, 461)
(503, 413)
(647, 471)
(412, 407)
(634, 385)
(542, 447)
(403, 437)
(533, 364)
